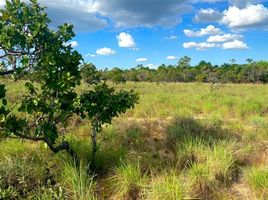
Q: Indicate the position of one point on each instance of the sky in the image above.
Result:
(125, 33)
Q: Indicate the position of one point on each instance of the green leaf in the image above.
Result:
(2, 118)
(4, 101)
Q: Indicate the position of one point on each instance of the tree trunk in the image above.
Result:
(94, 147)
(64, 146)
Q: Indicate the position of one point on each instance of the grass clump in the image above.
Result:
(81, 186)
(257, 178)
(127, 181)
(222, 163)
(168, 186)
(202, 180)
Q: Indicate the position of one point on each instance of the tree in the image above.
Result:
(184, 62)
(100, 106)
(29, 45)
(90, 73)
(249, 60)
(116, 76)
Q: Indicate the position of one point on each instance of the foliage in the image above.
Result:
(101, 105)
(30, 46)
(90, 74)
(252, 72)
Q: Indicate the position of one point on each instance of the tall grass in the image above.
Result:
(128, 181)
(257, 178)
(81, 185)
(167, 186)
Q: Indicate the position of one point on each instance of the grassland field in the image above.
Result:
(181, 141)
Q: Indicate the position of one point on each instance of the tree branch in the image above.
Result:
(4, 73)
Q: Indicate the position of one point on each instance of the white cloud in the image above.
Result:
(171, 58)
(171, 37)
(199, 46)
(105, 51)
(125, 40)
(224, 38)
(209, 30)
(91, 55)
(236, 44)
(208, 15)
(250, 16)
(72, 43)
(152, 66)
(141, 59)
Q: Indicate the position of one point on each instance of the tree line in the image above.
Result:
(251, 72)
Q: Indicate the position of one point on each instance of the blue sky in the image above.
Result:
(125, 33)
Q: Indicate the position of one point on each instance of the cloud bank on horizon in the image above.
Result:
(130, 26)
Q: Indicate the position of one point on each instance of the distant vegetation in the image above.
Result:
(251, 72)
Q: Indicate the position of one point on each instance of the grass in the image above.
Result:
(181, 141)
(167, 186)
(81, 185)
(257, 178)
(127, 181)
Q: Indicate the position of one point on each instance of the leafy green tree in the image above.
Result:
(28, 45)
(100, 106)
(116, 75)
(184, 62)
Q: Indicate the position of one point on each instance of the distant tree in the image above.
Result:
(249, 60)
(232, 61)
(184, 62)
(90, 74)
(116, 75)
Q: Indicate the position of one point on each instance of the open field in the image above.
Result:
(180, 142)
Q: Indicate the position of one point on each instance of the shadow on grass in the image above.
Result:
(154, 144)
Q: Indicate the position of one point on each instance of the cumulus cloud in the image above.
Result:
(129, 13)
(105, 51)
(209, 30)
(80, 13)
(171, 58)
(250, 16)
(224, 38)
(141, 59)
(72, 43)
(125, 40)
(236, 44)
(208, 15)
(152, 66)
(199, 46)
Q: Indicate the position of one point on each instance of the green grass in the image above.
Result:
(180, 141)
(128, 180)
(166, 186)
(257, 178)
